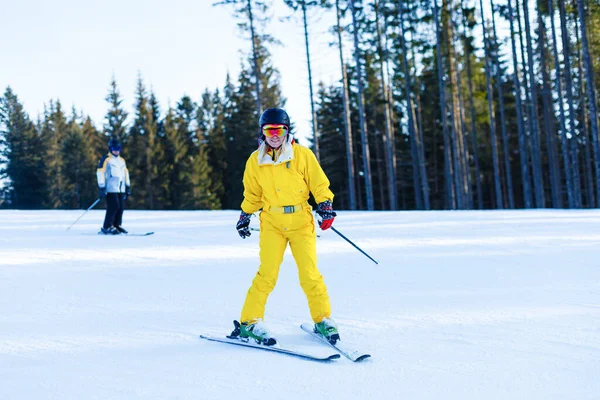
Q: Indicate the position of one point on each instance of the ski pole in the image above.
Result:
(85, 212)
(355, 246)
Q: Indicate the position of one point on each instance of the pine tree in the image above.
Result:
(358, 59)
(330, 119)
(21, 156)
(116, 115)
(79, 166)
(211, 130)
(303, 5)
(241, 125)
(252, 15)
(350, 176)
(143, 152)
(54, 132)
(176, 168)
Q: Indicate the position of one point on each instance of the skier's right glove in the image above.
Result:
(102, 192)
(243, 225)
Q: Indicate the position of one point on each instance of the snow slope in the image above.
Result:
(463, 305)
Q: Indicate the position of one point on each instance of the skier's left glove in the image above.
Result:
(325, 211)
(127, 192)
(243, 225)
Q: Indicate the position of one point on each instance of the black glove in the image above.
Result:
(325, 211)
(102, 192)
(127, 192)
(243, 225)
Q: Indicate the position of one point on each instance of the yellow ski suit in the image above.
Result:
(279, 182)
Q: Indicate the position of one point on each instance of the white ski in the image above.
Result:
(347, 352)
(275, 349)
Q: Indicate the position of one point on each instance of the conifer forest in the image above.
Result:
(440, 105)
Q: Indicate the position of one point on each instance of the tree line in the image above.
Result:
(441, 104)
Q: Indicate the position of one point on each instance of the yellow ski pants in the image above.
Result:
(276, 231)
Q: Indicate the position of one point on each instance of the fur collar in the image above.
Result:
(286, 153)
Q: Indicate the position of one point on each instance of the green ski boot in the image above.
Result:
(328, 328)
(254, 330)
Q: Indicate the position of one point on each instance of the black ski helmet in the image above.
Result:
(274, 116)
(114, 144)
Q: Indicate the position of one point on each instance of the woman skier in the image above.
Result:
(277, 180)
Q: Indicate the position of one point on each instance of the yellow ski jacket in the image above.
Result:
(284, 179)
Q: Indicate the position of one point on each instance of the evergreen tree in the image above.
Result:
(176, 169)
(242, 123)
(330, 119)
(252, 14)
(21, 156)
(79, 166)
(116, 115)
(211, 117)
(204, 197)
(144, 151)
(54, 132)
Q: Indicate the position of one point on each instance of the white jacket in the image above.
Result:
(112, 174)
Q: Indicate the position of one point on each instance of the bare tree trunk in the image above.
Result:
(488, 85)
(390, 97)
(310, 85)
(419, 171)
(387, 138)
(457, 129)
(421, 148)
(527, 105)
(361, 110)
(548, 113)
(591, 89)
(585, 123)
(509, 184)
(472, 109)
(347, 124)
(538, 181)
(570, 101)
(449, 173)
(528, 201)
(463, 143)
(255, 59)
(561, 109)
(379, 149)
(359, 189)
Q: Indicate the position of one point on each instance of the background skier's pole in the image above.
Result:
(355, 246)
(89, 208)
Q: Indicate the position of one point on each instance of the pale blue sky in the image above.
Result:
(69, 49)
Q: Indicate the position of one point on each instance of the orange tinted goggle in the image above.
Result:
(272, 130)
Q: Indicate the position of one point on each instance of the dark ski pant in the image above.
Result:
(115, 205)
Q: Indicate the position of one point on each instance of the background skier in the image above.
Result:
(277, 179)
(113, 184)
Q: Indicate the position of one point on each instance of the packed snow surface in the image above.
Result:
(463, 305)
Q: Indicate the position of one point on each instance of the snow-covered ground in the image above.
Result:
(463, 305)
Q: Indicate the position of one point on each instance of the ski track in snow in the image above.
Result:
(463, 305)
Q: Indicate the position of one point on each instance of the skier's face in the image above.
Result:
(275, 134)
(115, 150)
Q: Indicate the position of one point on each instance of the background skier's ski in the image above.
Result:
(123, 234)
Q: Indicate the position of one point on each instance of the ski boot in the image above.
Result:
(108, 231)
(255, 330)
(328, 329)
(121, 229)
